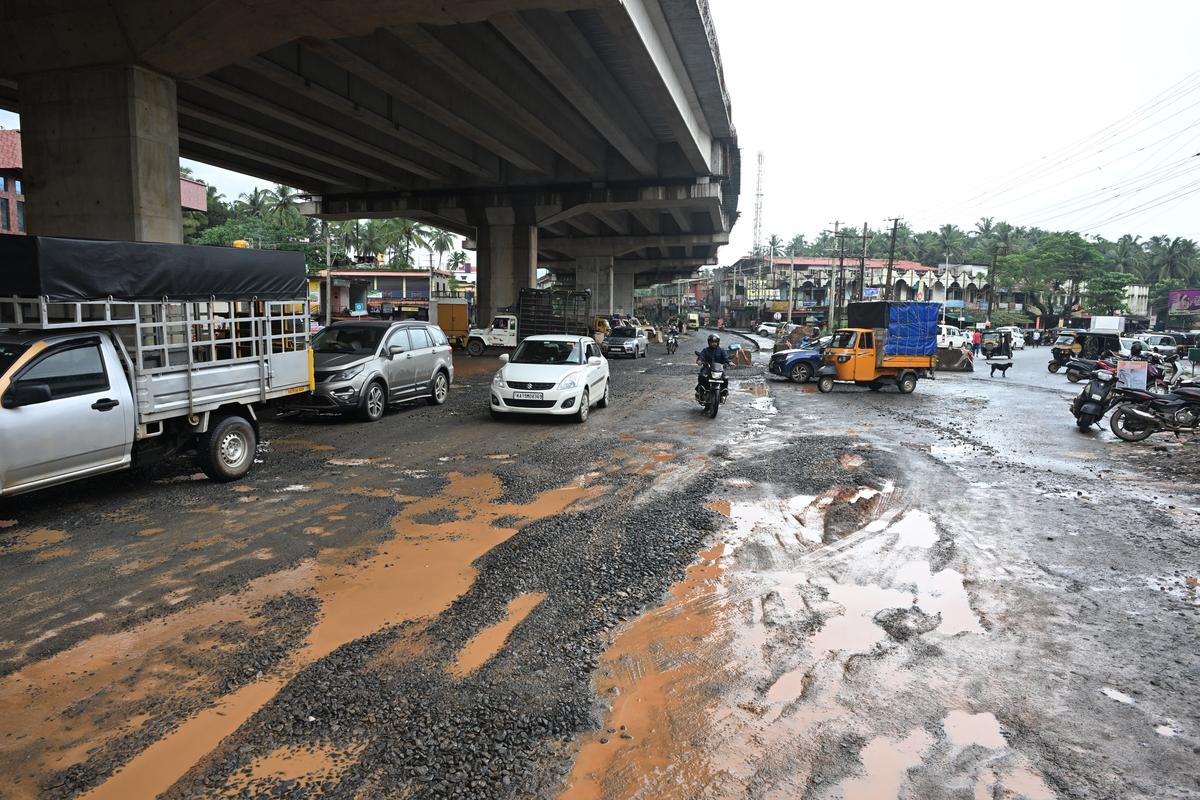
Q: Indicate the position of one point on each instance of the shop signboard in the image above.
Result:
(1183, 302)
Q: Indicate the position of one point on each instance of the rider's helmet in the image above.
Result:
(1135, 349)
(713, 340)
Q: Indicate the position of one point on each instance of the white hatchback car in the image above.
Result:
(561, 375)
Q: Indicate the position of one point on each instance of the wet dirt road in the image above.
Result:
(949, 594)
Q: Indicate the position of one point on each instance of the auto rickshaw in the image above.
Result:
(1081, 344)
(857, 355)
(994, 345)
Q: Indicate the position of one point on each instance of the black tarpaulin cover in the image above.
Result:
(85, 269)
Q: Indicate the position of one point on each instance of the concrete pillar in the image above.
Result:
(507, 254)
(623, 292)
(596, 273)
(101, 152)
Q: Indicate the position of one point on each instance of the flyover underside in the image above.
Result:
(600, 129)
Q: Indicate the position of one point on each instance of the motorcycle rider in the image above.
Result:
(713, 354)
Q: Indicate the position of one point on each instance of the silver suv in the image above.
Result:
(362, 366)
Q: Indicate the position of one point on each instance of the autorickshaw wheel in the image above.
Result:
(1053, 366)
(874, 386)
(907, 383)
(825, 384)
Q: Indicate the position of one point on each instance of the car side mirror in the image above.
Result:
(395, 350)
(27, 394)
(595, 361)
(504, 358)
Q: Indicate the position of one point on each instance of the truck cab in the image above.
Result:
(66, 409)
(501, 333)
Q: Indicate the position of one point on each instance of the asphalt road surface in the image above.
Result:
(949, 594)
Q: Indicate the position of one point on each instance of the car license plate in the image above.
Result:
(527, 395)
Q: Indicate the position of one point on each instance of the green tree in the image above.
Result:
(440, 242)
(254, 203)
(458, 260)
(281, 203)
(1105, 292)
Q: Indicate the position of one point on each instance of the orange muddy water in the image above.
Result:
(488, 641)
(416, 573)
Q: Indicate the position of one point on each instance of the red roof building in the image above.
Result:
(193, 194)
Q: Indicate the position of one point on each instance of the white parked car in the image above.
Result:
(561, 375)
(1159, 343)
(767, 328)
(950, 336)
(1017, 334)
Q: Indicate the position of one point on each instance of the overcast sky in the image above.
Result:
(949, 111)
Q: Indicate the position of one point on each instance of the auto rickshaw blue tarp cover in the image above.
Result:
(912, 329)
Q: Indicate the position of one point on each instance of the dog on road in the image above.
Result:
(1002, 367)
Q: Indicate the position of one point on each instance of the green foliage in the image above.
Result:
(1106, 292)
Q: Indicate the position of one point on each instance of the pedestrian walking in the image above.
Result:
(1037, 337)
(976, 340)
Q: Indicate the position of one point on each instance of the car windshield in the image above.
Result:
(9, 353)
(357, 339)
(624, 333)
(540, 351)
(844, 339)
(1127, 343)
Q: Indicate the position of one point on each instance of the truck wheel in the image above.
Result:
(801, 373)
(441, 388)
(825, 384)
(907, 383)
(226, 451)
(476, 347)
(374, 402)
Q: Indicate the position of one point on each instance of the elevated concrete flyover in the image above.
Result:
(582, 133)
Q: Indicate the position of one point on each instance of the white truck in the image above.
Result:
(117, 354)
(539, 311)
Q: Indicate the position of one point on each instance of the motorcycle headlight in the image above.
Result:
(346, 374)
(569, 382)
(498, 381)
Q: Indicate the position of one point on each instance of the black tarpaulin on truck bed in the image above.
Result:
(66, 270)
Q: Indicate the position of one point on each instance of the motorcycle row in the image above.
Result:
(1170, 403)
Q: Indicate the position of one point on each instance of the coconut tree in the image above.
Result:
(281, 203)
(458, 260)
(440, 242)
(255, 203)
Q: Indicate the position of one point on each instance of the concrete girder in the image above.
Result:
(380, 64)
(189, 39)
(560, 52)
(299, 148)
(493, 80)
(343, 105)
(681, 219)
(309, 172)
(621, 245)
(644, 22)
(301, 121)
(613, 221)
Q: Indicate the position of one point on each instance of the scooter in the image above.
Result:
(1096, 399)
(713, 389)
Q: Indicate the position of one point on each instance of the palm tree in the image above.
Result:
(254, 204)
(798, 245)
(407, 235)
(950, 241)
(440, 242)
(775, 246)
(373, 239)
(458, 260)
(281, 203)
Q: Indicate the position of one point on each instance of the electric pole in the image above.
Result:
(328, 276)
(830, 283)
(841, 302)
(887, 291)
(758, 198)
(862, 268)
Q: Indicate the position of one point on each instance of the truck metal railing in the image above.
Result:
(180, 343)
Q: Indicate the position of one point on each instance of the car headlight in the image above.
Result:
(498, 381)
(569, 382)
(346, 374)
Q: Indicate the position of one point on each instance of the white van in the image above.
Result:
(950, 336)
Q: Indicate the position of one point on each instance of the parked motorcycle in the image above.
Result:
(672, 342)
(1100, 394)
(1139, 414)
(713, 389)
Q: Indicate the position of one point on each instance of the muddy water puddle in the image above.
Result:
(418, 572)
(487, 643)
(750, 657)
